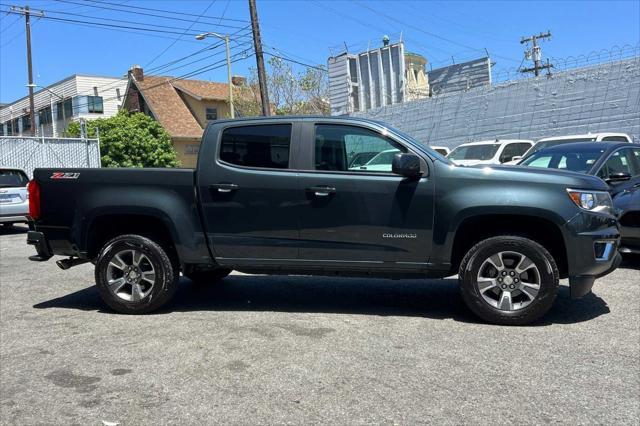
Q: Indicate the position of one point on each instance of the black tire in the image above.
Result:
(547, 273)
(207, 276)
(165, 281)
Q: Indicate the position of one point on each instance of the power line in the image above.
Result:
(296, 62)
(172, 12)
(172, 18)
(175, 41)
(10, 25)
(101, 24)
(368, 25)
(124, 21)
(423, 31)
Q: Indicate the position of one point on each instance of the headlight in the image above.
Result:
(594, 201)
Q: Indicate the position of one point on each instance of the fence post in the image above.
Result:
(98, 146)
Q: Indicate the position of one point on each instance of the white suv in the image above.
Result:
(489, 152)
(14, 201)
(558, 140)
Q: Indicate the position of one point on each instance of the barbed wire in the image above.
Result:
(596, 92)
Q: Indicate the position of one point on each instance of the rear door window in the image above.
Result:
(262, 146)
(615, 139)
(512, 150)
(353, 149)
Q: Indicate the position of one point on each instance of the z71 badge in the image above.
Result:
(62, 175)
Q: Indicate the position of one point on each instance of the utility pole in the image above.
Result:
(257, 42)
(232, 113)
(535, 53)
(27, 21)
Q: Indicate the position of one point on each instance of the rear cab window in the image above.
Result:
(265, 146)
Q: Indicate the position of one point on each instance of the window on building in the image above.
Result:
(26, 123)
(44, 116)
(212, 114)
(68, 109)
(95, 104)
(95, 91)
(118, 94)
(9, 128)
(353, 149)
(16, 126)
(264, 146)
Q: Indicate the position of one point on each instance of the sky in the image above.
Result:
(303, 31)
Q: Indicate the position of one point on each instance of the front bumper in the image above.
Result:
(592, 250)
(38, 240)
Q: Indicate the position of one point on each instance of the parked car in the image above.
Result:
(262, 201)
(559, 140)
(489, 152)
(618, 164)
(380, 162)
(14, 201)
(441, 150)
(361, 158)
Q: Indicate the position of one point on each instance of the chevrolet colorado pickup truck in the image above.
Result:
(278, 196)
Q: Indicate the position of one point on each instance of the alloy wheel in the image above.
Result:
(508, 281)
(130, 275)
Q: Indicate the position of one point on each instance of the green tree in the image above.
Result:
(130, 140)
(290, 93)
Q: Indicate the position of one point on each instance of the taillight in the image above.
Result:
(34, 199)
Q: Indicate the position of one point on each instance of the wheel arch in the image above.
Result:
(476, 228)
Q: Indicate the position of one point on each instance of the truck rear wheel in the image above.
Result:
(135, 275)
(509, 280)
(207, 276)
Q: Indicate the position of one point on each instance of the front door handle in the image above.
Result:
(321, 191)
(224, 188)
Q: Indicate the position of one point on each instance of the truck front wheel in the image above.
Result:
(135, 275)
(509, 280)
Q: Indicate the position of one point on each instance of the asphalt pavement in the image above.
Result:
(308, 350)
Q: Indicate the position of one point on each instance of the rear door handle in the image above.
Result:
(321, 191)
(224, 188)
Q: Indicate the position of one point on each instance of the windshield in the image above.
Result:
(570, 159)
(474, 152)
(548, 144)
(13, 179)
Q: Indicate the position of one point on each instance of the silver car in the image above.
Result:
(14, 200)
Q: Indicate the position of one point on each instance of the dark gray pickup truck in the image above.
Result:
(328, 196)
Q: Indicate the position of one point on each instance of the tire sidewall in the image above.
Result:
(538, 254)
(163, 287)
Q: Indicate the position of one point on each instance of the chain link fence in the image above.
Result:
(598, 97)
(28, 153)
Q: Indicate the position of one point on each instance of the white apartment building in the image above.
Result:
(75, 97)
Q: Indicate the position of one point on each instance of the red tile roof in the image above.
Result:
(168, 107)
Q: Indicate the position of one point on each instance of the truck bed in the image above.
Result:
(73, 201)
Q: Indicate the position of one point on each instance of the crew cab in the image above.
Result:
(278, 196)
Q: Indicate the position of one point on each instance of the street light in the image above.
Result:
(64, 118)
(226, 41)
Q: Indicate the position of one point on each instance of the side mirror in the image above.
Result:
(618, 177)
(407, 165)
